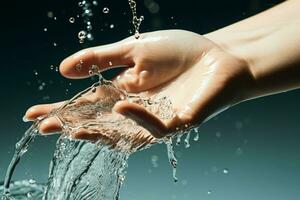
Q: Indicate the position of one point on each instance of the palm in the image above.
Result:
(195, 74)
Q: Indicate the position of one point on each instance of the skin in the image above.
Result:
(201, 75)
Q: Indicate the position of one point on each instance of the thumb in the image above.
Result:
(105, 57)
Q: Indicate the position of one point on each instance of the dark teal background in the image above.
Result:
(257, 141)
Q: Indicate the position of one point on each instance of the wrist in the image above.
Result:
(255, 48)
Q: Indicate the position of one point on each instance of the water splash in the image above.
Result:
(171, 156)
(136, 21)
(90, 115)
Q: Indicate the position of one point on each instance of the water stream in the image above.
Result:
(94, 168)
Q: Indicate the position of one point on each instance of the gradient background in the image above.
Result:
(258, 141)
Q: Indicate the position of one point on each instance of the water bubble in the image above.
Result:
(154, 160)
(95, 3)
(50, 14)
(239, 151)
(82, 35)
(105, 10)
(71, 20)
(238, 125)
(218, 134)
(153, 8)
(225, 171)
(184, 182)
(42, 86)
(46, 98)
(52, 67)
(112, 26)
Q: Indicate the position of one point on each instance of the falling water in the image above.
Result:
(92, 169)
(136, 21)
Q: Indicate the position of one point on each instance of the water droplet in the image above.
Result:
(239, 151)
(46, 98)
(29, 195)
(52, 67)
(81, 3)
(196, 137)
(82, 35)
(154, 160)
(209, 192)
(55, 18)
(184, 182)
(218, 134)
(89, 27)
(110, 63)
(112, 26)
(50, 14)
(45, 29)
(94, 70)
(35, 72)
(55, 44)
(172, 158)
(187, 140)
(238, 125)
(95, 3)
(78, 67)
(71, 20)
(90, 37)
(42, 86)
(178, 141)
(105, 10)
(225, 171)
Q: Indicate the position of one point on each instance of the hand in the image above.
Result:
(199, 78)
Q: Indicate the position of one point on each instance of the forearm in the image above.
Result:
(270, 43)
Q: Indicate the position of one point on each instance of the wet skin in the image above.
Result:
(199, 74)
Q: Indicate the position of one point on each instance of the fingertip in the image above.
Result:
(77, 65)
(49, 125)
(121, 107)
(31, 114)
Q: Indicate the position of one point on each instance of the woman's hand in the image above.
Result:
(198, 77)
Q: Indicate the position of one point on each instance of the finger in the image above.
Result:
(143, 117)
(39, 110)
(105, 57)
(50, 125)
